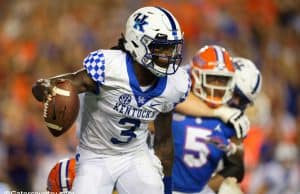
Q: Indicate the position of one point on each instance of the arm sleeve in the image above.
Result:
(94, 64)
(233, 167)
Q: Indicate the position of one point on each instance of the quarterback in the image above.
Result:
(125, 88)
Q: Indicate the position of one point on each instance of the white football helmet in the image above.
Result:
(148, 31)
(248, 80)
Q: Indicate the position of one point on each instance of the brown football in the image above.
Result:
(61, 111)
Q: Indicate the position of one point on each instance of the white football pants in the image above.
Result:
(133, 173)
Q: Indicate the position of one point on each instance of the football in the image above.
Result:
(61, 111)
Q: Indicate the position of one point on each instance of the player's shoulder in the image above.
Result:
(180, 80)
(181, 73)
(98, 63)
(103, 56)
(112, 52)
(178, 87)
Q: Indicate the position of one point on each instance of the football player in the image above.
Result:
(125, 88)
(200, 143)
(248, 83)
(62, 175)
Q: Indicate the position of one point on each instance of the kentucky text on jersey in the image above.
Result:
(131, 111)
(115, 119)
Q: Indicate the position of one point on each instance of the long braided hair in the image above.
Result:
(120, 45)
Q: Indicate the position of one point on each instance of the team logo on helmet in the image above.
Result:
(140, 21)
(212, 74)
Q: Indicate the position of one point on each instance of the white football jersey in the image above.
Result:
(115, 120)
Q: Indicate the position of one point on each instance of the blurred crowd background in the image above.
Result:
(42, 38)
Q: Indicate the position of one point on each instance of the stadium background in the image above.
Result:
(48, 37)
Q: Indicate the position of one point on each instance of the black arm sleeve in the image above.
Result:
(233, 167)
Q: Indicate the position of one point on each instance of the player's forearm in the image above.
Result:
(165, 153)
(194, 106)
(80, 79)
(233, 167)
(163, 142)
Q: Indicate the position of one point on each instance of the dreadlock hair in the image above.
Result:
(120, 45)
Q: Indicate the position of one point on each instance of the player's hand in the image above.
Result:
(241, 125)
(230, 186)
(236, 118)
(223, 144)
(230, 149)
(225, 113)
(42, 90)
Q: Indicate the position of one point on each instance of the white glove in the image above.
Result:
(225, 113)
(234, 116)
(241, 125)
(230, 186)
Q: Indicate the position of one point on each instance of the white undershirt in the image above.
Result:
(144, 88)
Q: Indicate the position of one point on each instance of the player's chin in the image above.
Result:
(162, 62)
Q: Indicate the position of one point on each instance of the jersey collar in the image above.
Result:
(142, 97)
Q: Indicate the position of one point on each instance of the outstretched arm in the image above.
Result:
(163, 142)
(80, 79)
(194, 106)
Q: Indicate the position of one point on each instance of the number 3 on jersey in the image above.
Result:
(130, 132)
(195, 148)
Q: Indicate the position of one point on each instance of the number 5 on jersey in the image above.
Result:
(196, 151)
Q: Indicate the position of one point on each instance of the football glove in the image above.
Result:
(236, 118)
(226, 112)
(241, 125)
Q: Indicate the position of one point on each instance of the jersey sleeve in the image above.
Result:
(182, 86)
(94, 64)
(187, 88)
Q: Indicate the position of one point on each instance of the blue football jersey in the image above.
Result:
(196, 159)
